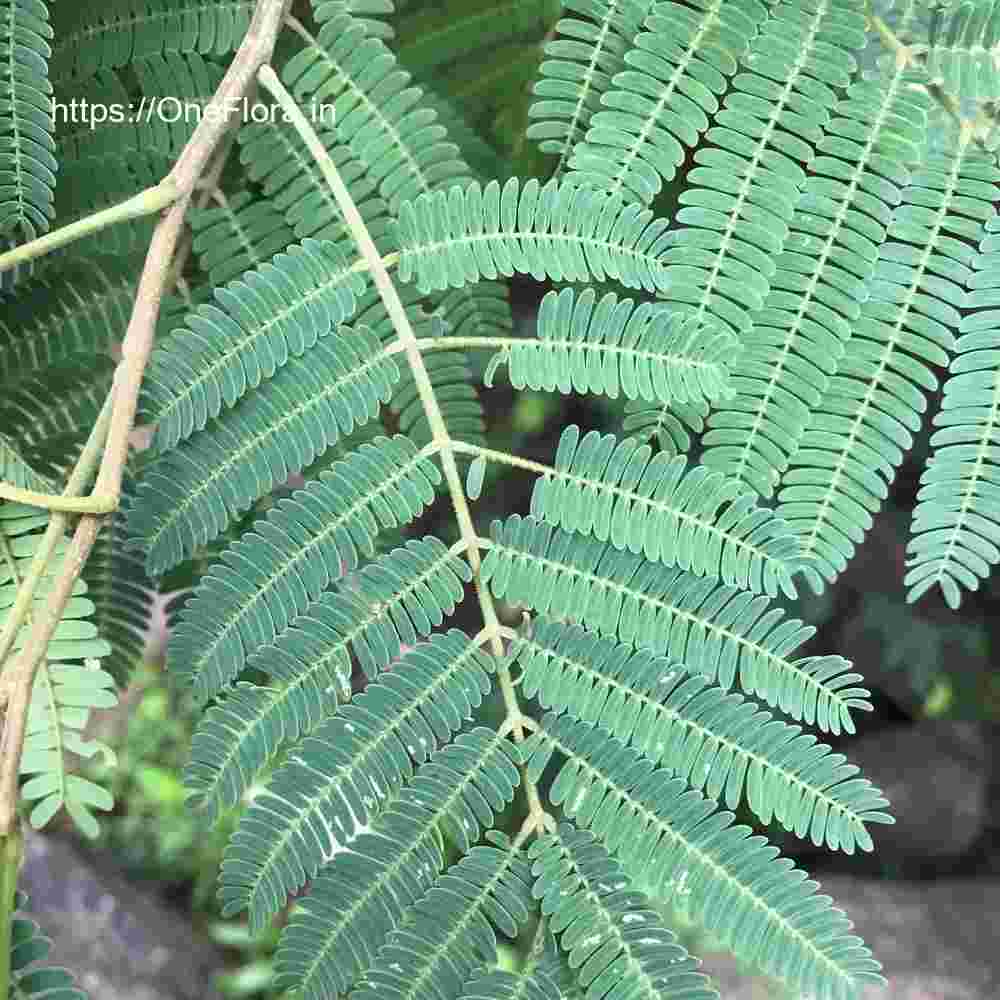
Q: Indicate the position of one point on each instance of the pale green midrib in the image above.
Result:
(425, 249)
(675, 716)
(888, 348)
(792, 334)
(456, 933)
(720, 872)
(387, 876)
(782, 662)
(284, 693)
(707, 23)
(333, 783)
(238, 456)
(240, 232)
(301, 554)
(674, 360)
(204, 374)
(588, 81)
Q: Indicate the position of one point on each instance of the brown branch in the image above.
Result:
(255, 50)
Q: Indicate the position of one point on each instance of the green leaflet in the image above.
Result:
(93, 34)
(450, 931)
(303, 544)
(27, 161)
(956, 538)
(556, 230)
(663, 88)
(257, 322)
(582, 61)
(68, 683)
(611, 934)
(393, 601)
(29, 946)
(700, 733)
(614, 348)
(694, 519)
(189, 496)
(389, 868)
(669, 836)
(716, 630)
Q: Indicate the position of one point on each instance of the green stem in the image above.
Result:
(11, 850)
(94, 504)
(439, 431)
(147, 202)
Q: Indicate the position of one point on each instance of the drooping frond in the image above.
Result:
(393, 601)
(449, 932)
(121, 591)
(256, 324)
(97, 34)
(45, 418)
(587, 51)
(84, 309)
(822, 279)
(402, 146)
(866, 420)
(292, 554)
(62, 698)
(717, 742)
(661, 100)
(615, 940)
(554, 657)
(733, 884)
(741, 196)
(29, 946)
(75, 637)
(719, 631)
(558, 231)
(613, 347)
(657, 507)
(956, 524)
(189, 496)
(27, 151)
(340, 777)
(363, 892)
(68, 683)
(962, 48)
(241, 231)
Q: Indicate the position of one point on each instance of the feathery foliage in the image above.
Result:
(28, 947)
(798, 199)
(27, 151)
